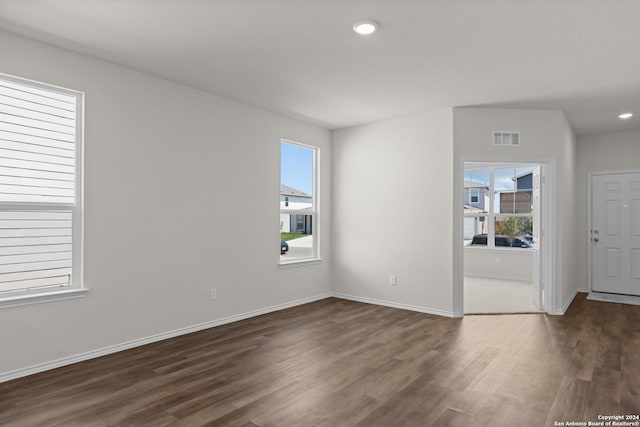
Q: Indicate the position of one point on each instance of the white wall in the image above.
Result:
(544, 135)
(392, 201)
(498, 263)
(611, 151)
(162, 165)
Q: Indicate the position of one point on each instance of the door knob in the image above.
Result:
(595, 239)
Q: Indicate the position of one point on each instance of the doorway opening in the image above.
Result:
(503, 236)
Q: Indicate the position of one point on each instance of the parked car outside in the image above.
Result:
(521, 242)
(501, 241)
(284, 247)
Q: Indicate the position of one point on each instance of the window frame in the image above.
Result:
(491, 215)
(315, 208)
(76, 288)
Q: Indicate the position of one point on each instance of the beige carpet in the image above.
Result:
(483, 296)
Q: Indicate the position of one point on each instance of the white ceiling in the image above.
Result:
(301, 58)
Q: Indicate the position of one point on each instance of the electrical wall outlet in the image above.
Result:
(393, 280)
(213, 294)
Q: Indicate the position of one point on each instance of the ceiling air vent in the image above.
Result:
(511, 139)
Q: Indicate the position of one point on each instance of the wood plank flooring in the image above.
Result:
(342, 363)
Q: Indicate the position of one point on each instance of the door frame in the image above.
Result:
(590, 176)
(548, 222)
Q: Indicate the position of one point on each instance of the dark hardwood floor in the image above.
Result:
(342, 363)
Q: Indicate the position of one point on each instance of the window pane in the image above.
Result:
(35, 249)
(513, 189)
(37, 145)
(514, 231)
(476, 205)
(296, 175)
(476, 191)
(296, 202)
(296, 244)
(475, 230)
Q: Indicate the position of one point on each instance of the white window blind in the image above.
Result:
(39, 133)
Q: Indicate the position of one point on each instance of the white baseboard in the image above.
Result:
(565, 306)
(23, 372)
(620, 299)
(398, 305)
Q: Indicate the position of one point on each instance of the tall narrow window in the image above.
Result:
(298, 202)
(40, 190)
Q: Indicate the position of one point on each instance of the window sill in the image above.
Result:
(41, 298)
(300, 263)
(499, 249)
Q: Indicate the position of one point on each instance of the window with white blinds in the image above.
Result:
(40, 146)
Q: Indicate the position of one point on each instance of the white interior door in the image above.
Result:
(615, 233)
(537, 239)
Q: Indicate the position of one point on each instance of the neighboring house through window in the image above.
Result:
(40, 192)
(498, 206)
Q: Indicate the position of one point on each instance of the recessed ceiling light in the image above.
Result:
(365, 27)
(624, 116)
